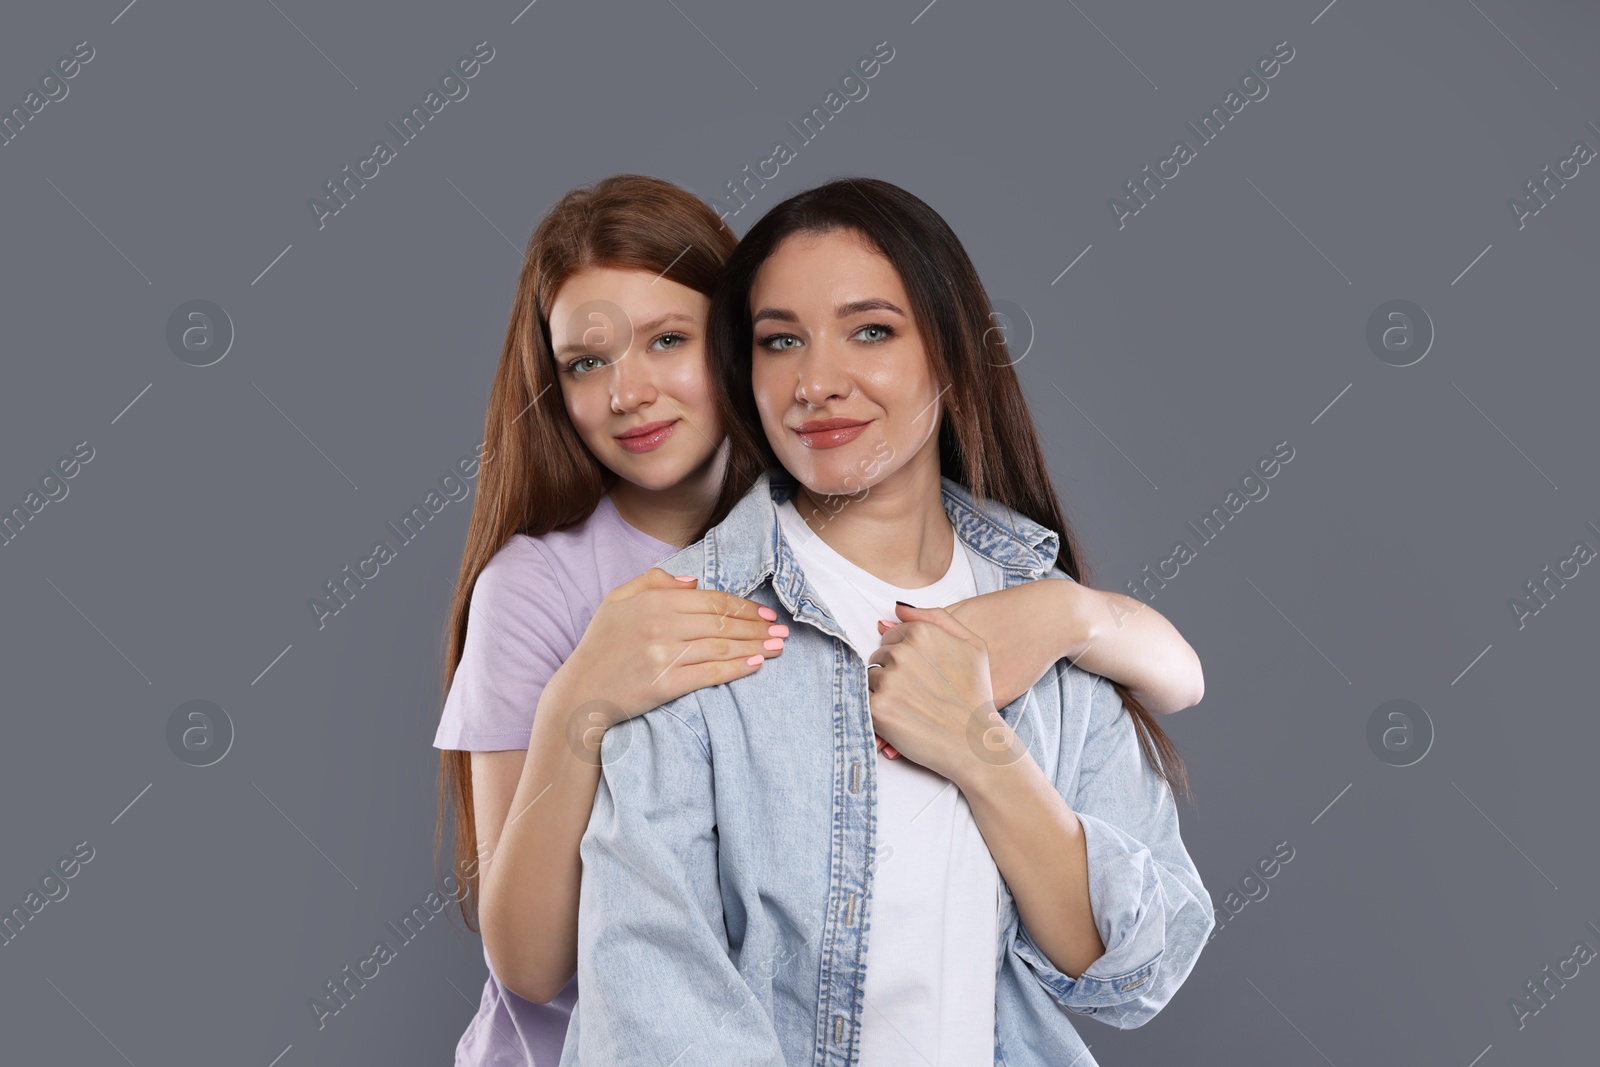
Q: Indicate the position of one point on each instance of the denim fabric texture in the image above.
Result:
(726, 903)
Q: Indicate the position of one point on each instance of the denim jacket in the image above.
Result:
(726, 902)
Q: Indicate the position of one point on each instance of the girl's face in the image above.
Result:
(630, 356)
(843, 383)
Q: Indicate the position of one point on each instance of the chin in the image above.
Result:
(826, 475)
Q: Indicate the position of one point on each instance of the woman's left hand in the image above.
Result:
(932, 700)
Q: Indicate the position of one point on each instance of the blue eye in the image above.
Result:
(574, 366)
(678, 337)
(886, 331)
(778, 342)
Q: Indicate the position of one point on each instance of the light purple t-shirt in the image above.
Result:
(530, 605)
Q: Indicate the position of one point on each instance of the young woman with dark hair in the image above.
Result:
(604, 453)
(759, 886)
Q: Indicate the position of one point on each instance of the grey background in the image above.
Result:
(1227, 316)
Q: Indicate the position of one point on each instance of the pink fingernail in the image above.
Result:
(685, 577)
(768, 614)
(755, 661)
(774, 644)
(780, 630)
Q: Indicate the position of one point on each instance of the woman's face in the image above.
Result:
(630, 356)
(843, 383)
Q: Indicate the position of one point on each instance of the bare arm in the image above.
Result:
(1029, 627)
(1112, 913)
(531, 808)
(652, 640)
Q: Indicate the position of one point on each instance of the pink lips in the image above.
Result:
(829, 433)
(647, 438)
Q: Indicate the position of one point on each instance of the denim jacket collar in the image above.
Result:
(745, 548)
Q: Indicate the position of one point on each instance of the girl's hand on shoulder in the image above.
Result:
(656, 637)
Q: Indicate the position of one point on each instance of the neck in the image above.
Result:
(896, 530)
(672, 514)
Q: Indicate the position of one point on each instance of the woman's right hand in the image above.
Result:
(657, 637)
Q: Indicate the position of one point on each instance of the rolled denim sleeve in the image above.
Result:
(1150, 908)
(656, 979)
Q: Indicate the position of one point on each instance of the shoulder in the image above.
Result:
(1082, 690)
(519, 588)
(688, 560)
(679, 724)
(1055, 571)
(1090, 703)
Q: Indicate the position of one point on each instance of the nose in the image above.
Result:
(820, 374)
(631, 384)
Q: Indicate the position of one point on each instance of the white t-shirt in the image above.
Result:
(935, 910)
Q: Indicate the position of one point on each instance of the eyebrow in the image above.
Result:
(843, 311)
(644, 327)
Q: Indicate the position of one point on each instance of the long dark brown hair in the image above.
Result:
(987, 441)
(537, 474)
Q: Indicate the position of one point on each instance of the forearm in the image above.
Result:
(1127, 641)
(529, 911)
(1031, 626)
(1037, 843)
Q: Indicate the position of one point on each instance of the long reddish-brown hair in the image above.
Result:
(537, 475)
(987, 441)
